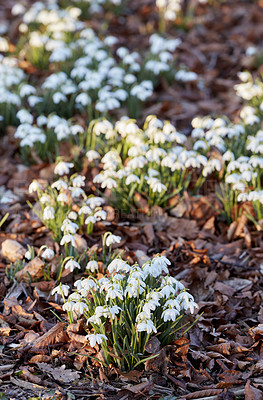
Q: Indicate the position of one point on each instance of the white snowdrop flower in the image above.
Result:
(78, 285)
(247, 176)
(28, 255)
(186, 301)
(62, 168)
(118, 265)
(146, 325)
(157, 186)
(150, 306)
(71, 265)
(96, 338)
(34, 100)
(90, 220)
(59, 185)
(42, 120)
(110, 40)
(25, 117)
(240, 186)
(92, 155)
(73, 215)
(242, 197)
(233, 178)
(197, 133)
(68, 239)
(200, 144)
(18, 9)
(58, 98)
(94, 202)
(92, 266)
(137, 162)
(78, 181)
(4, 45)
(244, 76)
(48, 213)
(185, 76)
(167, 291)
(170, 314)
(212, 165)
(62, 198)
(192, 162)
(95, 319)
(132, 179)
(79, 308)
(202, 159)
(113, 292)
(252, 120)
(68, 306)
(104, 283)
(228, 156)
(109, 183)
(76, 129)
(122, 52)
(85, 210)
(27, 90)
(129, 79)
(34, 187)
(169, 280)
(83, 99)
(113, 311)
(253, 195)
(251, 51)
(112, 239)
(69, 226)
(162, 262)
(48, 254)
(100, 215)
(62, 130)
(61, 289)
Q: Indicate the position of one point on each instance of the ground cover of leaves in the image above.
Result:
(221, 357)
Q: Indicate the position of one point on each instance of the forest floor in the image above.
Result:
(221, 356)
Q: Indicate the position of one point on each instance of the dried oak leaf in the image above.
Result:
(223, 348)
(60, 373)
(229, 378)
(202, 394)
(182, 227)
(40, 358)
(56, 334)
(153, 345)
(13, 250)
(32, 271)
(251, 393)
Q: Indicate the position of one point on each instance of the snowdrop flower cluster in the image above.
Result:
(133, 299)
(169, 9)
(65, 207)
(152, 161)
(44, 133)
(238, 156)
(12, 78)
(47, 27)
(105, 81)
(208, 132)
(249, 88)
(98, 75)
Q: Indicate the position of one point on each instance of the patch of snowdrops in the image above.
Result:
(65, 208)
(153, 161)
(44, 134)
(239, 149)
(128, 306)
(91, 75)
(13, 88)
